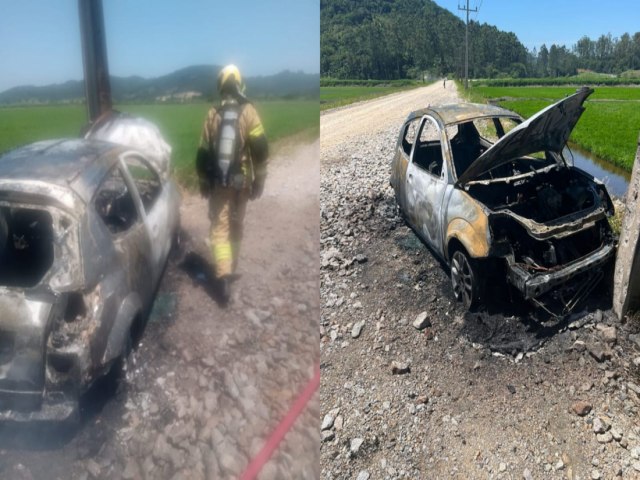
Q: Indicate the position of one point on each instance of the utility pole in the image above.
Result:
(94, 55)
(466, 45)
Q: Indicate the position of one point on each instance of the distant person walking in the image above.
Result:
(232, 167)
(444, 82)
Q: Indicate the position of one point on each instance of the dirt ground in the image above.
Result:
(492, 394)
(209, 384)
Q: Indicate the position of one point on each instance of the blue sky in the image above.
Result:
(40, 39)
(562, 22)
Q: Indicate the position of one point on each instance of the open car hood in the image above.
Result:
(549, 129)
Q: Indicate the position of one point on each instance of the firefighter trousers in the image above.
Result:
(227, 207)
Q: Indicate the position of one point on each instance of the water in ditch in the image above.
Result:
(615, 178)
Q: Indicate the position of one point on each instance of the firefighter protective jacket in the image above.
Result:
(252, 145)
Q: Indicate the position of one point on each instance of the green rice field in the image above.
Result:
(180, 124)
(609, 127)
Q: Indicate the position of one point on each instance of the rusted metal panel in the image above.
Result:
(468, 223)
(450, 114)
(535, 285)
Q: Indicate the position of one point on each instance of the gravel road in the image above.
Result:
(339, 126)
(209, 384)
(487, 395)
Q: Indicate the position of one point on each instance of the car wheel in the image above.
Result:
(464, 279)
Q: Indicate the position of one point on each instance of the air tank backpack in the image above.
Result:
(227, 170)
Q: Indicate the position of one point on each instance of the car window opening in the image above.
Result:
(146, 180)
(471, 139)
(26, 246)
(428, 151)
(114, 203)
(428, 156)
(409, 137)
(466, 146)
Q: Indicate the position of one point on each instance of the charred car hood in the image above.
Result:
(549, 129)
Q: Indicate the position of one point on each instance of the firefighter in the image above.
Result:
(232, 166)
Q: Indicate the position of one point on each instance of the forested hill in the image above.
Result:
(388, 39)
(197, 81)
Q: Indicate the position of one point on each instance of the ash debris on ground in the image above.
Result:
(489, 394)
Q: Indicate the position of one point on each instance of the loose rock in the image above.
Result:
(609, 334)
(363, 475)
(581, 408)
(422, 321)
(357, 329)
(355, 444)
(599, 426)
(327, 422)
(399, 368)
(327, 435)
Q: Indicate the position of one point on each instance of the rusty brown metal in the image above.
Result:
(453, 113)
(469, 224)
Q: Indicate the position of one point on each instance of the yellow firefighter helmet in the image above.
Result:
(228, 78)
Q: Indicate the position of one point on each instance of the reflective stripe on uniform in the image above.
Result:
(257, 131)
(222, 251)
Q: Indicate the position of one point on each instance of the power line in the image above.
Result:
(478, 9)
(466, 43)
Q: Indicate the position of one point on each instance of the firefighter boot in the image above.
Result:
(225, 289)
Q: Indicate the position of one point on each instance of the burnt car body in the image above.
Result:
(86, 227)
(489, 192)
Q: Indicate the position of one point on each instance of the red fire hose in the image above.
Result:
(256, 464)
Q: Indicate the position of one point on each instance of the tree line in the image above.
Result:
(605, 55)
(392, 39)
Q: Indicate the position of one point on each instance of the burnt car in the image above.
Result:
(86, 227)
(490, 193)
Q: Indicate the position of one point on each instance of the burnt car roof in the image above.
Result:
(461, 112)
(55, 161)
(70, 163)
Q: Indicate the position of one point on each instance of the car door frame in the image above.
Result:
(132, 246)
(425, 193)
(157, 221)
(402, 160)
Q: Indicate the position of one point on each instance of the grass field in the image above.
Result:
(585, 78)
(609, 126)
(180, 124)
(332, 97)
(600, 93)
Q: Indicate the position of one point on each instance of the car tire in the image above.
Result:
(465, 279)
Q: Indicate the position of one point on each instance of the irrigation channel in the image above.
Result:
(615, 178)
